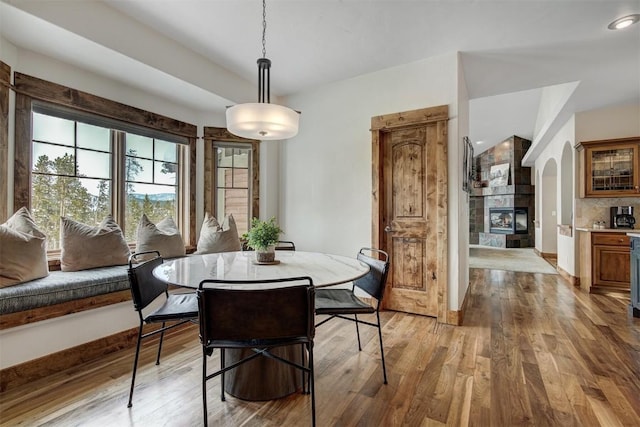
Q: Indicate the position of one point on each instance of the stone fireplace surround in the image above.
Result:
(518, 193)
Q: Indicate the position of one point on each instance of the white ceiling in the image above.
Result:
(202, 53)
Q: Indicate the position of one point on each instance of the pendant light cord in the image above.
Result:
(257, 120)
(264, 65)
(264, 28)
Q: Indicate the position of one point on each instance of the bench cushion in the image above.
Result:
(60, 286)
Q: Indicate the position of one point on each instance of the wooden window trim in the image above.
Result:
(30, 88)
(5, 80)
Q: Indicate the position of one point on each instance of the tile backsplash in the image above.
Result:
(589, 210)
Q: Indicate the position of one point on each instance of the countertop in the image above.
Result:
(608, 230)
(634, 234)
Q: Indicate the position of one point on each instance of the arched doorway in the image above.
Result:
(548, 209)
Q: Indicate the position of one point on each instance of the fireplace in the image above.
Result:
(509, 220)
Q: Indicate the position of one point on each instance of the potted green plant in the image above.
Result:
(262, 237)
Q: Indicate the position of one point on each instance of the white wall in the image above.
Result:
(607, 123)
(549, 209)
(9, 55)
(325, 193)
(549, 239)
(552, 100)
(460, 250)
(33, 340)
(567, 182)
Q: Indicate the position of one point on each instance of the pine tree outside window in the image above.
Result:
(151, 181)
(86, 171)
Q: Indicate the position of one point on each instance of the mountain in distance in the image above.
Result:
(160, 197)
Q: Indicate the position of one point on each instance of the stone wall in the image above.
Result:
(518, 193)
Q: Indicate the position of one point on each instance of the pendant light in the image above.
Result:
(263, 120)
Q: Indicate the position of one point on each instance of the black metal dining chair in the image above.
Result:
(341, 303)
(256, 319)
(285, 245)
(176, 309)
(282, 245)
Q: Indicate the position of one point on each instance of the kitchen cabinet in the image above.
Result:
(611, 268)
(604, 261)
(610, 168)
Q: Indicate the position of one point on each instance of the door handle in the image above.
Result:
(388, 229)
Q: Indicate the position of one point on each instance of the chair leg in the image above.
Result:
(384, 369)
(304, 382)
(204, 385)
(135, 366)
(312, 385)
(160, 344)
(222, 366)
(357, 332)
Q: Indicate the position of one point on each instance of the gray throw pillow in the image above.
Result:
(163, 237)
(84, 246)
(215, 238)
(23, 250)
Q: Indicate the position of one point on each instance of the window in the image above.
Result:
(151, 181)
(232, 183)
(231, 176)
(75, 173)
(170, 155)
(71, 173)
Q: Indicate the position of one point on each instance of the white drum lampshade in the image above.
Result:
(262, 121)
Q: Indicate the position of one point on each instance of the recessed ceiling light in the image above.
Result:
(479, 142)
(624, 22)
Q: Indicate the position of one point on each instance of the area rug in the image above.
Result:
(519, 259)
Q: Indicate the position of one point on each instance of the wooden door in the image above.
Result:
(411, 220)
(409, 182)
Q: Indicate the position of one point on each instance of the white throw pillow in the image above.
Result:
(215, 238)
(163, 237)
(23, 250)
(84, 246)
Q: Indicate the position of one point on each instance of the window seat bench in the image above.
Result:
(62, 293)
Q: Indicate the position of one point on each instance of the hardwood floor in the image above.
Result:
(533, 351)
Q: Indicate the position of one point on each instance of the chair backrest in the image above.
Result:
(285, 245)
(373, 282)
(248, 318)
(145, 287)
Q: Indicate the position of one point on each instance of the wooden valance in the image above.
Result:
(61, 95)
(5, 79)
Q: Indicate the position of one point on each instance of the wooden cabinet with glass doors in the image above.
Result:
(611, 168)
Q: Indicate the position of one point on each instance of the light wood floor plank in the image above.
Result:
(533, 350)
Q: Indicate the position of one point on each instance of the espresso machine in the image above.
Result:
(622, 217)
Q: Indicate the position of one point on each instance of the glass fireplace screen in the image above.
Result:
(509, 220)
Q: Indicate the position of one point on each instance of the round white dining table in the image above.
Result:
(261, 378)
(324, 269)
